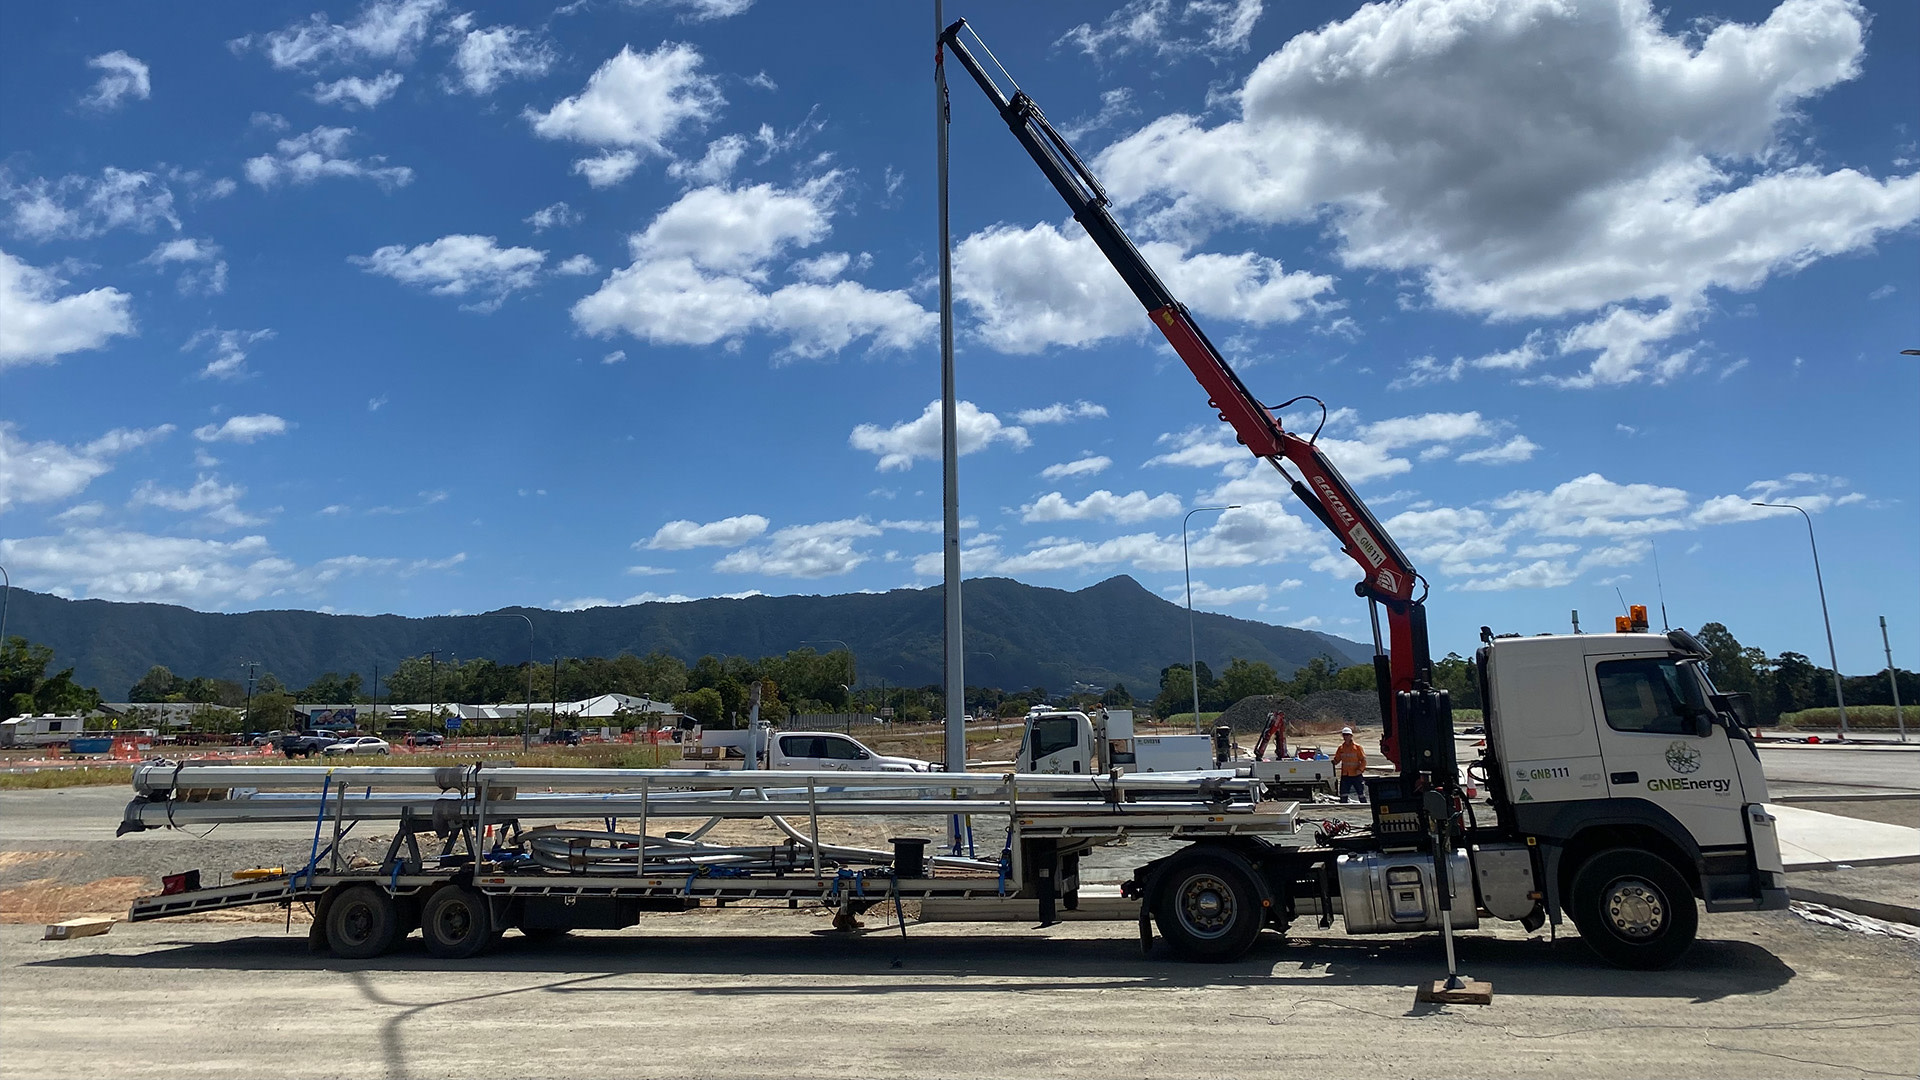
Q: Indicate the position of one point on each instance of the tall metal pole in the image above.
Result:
(949, 437)
(1893, 680)
(1193, 651)
(526, 739)
(433, 697)
(6, 594)
(1838, 695)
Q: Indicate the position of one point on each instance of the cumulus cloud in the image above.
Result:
(229, 349)
(384, 30)
(556, 216)
(487, 58)
(458, 265)
(1545, 198)
(700, 268)
(202, 270)
(242, 429)
(354, 91)
(1061, 412)
(1090, 465)
(119, 564)
(79, 208)
(51, 471)
(576, 266)
(122, 77)
(318, 154)
(1032, 288)
(727, 532)
(900, 445)
(820, 550)
(1101, 505)
(38, 325)
(713, 167)
(609, 168)
(217, 503)
(1592, 505)
(635, 101)
(1518, 448)
(1205, 595)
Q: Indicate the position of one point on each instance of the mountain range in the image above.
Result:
(1017, 636)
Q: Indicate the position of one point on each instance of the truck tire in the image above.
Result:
(456, 923)
(1634, 908)
(1208, 908)
(361, 923)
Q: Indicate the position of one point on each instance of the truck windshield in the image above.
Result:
(1052, 734)
(1650, 695)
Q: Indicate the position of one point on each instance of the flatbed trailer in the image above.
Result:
(475, 849)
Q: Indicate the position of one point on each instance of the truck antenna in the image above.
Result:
(1623, 600)
(1660, 589)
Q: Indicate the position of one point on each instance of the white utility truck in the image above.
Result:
(1070, 741)
(832, 751)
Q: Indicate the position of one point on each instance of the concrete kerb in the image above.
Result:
(1899, 913)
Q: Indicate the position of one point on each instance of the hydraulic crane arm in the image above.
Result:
(1387, 576)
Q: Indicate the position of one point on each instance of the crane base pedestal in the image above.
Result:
(1470, 992)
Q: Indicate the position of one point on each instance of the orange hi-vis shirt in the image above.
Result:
(1351, 759)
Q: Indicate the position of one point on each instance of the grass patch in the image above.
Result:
(1866, 717)
(85, 776)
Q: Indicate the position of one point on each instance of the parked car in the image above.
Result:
(365, 744)
(306, 743)
(561, 737)
(831, 750)
(425, 738)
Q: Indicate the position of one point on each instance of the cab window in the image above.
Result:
(1053, 734)
(840, 750)
(799, 746)
(1650, 696)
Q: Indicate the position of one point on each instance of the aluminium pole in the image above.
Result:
(956, 754)
(1893, 681)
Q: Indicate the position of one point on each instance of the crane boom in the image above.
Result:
(1387, 576)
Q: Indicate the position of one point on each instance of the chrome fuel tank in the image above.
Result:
(1394, 893)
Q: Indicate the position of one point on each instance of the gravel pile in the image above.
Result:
(1324, 710)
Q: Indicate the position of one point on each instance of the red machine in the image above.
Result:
(1412, 710)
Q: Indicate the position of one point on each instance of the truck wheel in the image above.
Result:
(455, 923)
(1634, 909)
(1208, 908)
(361, 923)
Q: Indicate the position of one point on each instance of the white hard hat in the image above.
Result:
(1346, 731)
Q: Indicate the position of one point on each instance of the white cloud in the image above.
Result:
(727, 532)
(1543, 574)
(487, 58)
(1200, 447)
(608, 169)
(581, 604)
(242, 429)
(823, 268)
(38, 325)
(635, 100)
(614, 357)
(1401, 431)
(123, 77)
(1061, 412)
(659, 598)
(1090, 465)
(385, 30)
(698, 270)
(898, 446)
(117, 564)
(1547, 197)
(1029, 289)
(576, 266)
(648, 571)
(458, 265)
(1592, 505)
(1101, 505)
(824, 549)
(203, 272)
(76, 208)
(354, 91)
(229, 348)
(697, 10)
(715, 166)
(557, 216)
(221, 502)
(315, 155)
(1205, 595)
(1214, 26)
(50, 471)
(1518, 448)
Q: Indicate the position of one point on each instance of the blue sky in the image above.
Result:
(422, 307)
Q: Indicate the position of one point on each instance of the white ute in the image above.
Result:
(816, 750)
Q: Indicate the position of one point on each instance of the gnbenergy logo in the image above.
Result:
(1682, 783)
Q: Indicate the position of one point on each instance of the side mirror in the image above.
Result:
(862, 755)
(1738, 708)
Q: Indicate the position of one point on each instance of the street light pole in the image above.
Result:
(1893, 680)
(1193, 649)
(6, 594)
(1838, 695)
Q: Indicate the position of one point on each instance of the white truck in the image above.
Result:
(1074, 742)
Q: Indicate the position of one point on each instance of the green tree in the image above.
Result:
(158, 684)
(1358, 679)
(1454, 674)
(1317, 675)
(1118, 697)
(25, 686)
(271, 709)
(1729, 665)
(330, 689)
(1246, 678)
(704, 705)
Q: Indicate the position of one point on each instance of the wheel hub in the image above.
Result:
(1635, 909)
(1206, 905)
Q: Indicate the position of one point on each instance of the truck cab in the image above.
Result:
(1070, 741)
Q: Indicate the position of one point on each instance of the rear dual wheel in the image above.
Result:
(456, 923)
(361, 923)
